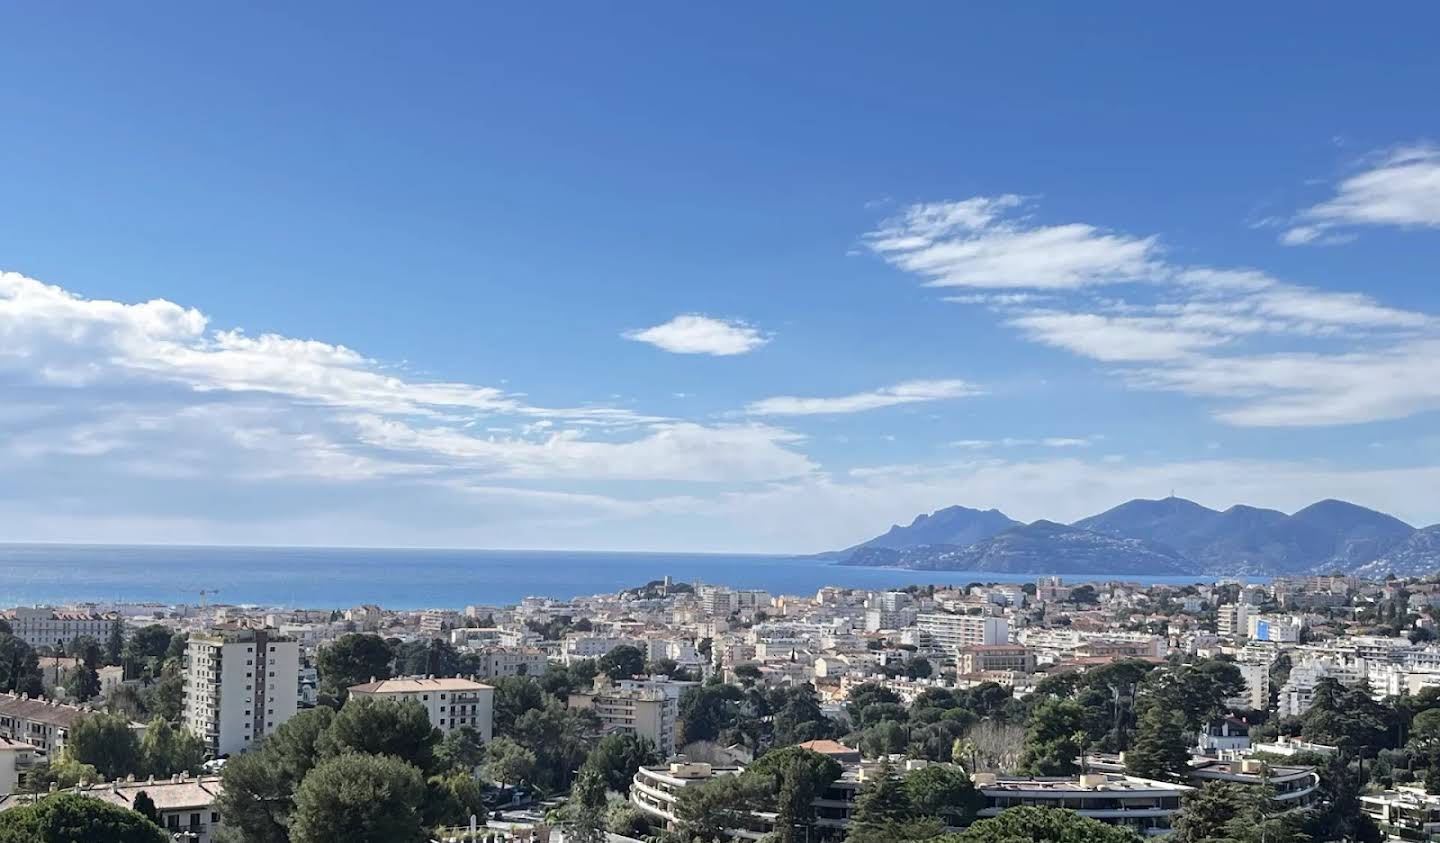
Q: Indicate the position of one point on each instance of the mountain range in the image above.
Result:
(1171, 536)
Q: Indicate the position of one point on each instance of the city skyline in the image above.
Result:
(486, 280)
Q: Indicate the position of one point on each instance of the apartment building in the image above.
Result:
(495, 662)
(43, 724)
(1282, 629)
(435, 622)
(1051, 590)
(578, 646)
(240, 685)
(715, 600)
(45, 626)
(1405, 813)
(951, 632)
(1144, 805)
(186, 805)
(450, 703)
(1257, 686)
(1298, 692)
(1234, 621)
(877, 619)
(980, 658)
(643, 709)
(15, 758)
(1141, 804)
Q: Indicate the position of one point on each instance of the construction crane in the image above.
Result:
(204, 593)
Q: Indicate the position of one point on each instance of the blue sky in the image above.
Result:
(739, 278)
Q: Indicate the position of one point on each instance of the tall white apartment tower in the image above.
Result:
(240, 684)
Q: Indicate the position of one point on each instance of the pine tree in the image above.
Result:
(145, 806)
(82, 684)
(586, 820)
(115, 643)
(1160, 748)
(883, 799)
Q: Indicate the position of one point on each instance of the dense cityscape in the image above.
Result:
(480, 422)
(1306, 708)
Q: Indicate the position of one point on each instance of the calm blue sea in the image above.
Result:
(407, 579)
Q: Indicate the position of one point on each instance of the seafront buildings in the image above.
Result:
(247, 671)
(46, 626)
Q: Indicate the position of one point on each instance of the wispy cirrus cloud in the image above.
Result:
(693, 333)
(1268, 352)
(905, 392)
(980, 242)
(1402, 190)
(1013, 442)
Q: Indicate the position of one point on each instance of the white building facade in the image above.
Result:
(240, 685)
(450, 703)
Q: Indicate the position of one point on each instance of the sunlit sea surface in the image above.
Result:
(406, 579)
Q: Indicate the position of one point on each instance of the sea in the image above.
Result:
(312, 577)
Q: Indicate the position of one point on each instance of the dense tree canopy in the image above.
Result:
(1041, 825)
(359, 798)
(383, 727)
(1162, 749)
(1349, 718)
(425, 657)
(352, 659)
(617, 757)
(166, 750)
(70, 818)
(106, 742)
(622, 662)
(19, 667)
(1055, 737)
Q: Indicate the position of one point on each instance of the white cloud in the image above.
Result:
(1402, 190)
(809, 513)
(906, 392)
(1309, 389)
(49, 335)
(1114, 338)
(1275, 353)
(1013, 442)
(681, 451)
(825, 512)
(693, 333)
(969, 243)
(200, 402)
